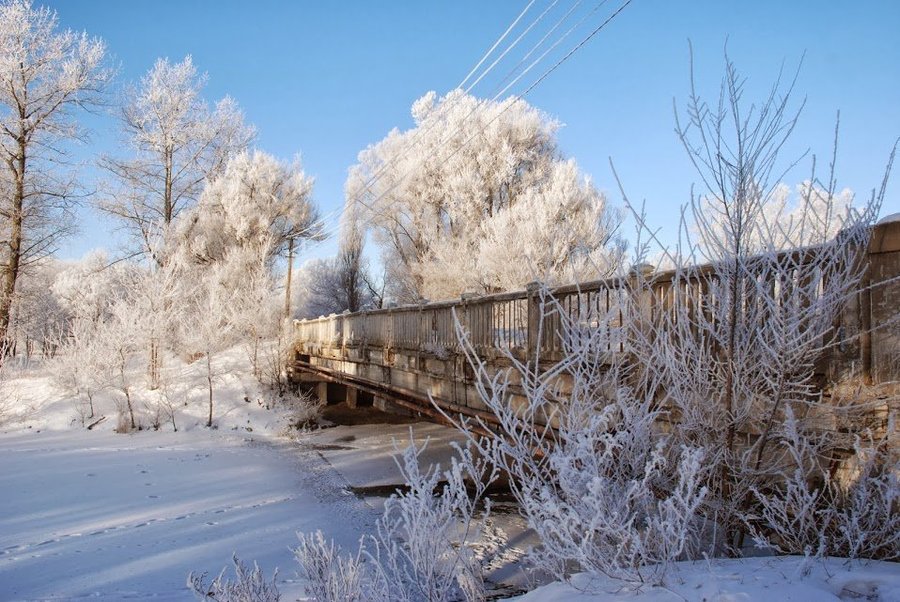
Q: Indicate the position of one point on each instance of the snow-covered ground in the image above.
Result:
(111, 517)
(751, 579)
(107, 516)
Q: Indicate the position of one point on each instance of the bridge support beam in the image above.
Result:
(322, 391)
(387, 406)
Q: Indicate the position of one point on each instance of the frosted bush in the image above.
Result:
(812, 512)
(331, 575)
(422, 549)
(247, 586)
(604, 491)
(305, 411)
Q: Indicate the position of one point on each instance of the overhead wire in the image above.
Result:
(497, 43)
(511, 46)
(419, 135)
(446, 107)
(597, 7)
(538, 45)
(540, 79)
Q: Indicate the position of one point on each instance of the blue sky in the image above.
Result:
(325, 79)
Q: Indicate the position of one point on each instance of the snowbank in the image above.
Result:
(239, 402)
(750, 579)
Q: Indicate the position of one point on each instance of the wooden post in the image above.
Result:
(287, 284)
(532, 289)
(880, 336)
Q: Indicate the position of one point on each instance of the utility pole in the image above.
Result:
(287, 284)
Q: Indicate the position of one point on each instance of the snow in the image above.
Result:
(127, 516)
(113, 516)
(887, 219)
(110, 516)
(745, 580)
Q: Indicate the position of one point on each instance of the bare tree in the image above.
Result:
(736, 348)
(178, 143)
(45, 76)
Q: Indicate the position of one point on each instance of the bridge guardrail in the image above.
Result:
(508, 321)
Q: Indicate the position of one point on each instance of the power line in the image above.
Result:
(446, 107)
(497, 43)
(521, 96)
(511, 46)
(597, 7)
(575, 49)
(538, 45)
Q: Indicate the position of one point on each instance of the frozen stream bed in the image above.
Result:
(111, 517)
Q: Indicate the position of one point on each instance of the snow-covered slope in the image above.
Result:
(39, 402)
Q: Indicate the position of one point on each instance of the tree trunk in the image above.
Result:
(210, 383)
(153, 368)
(168, 208)
(14, 258)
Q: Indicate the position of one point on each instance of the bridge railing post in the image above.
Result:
(532, 290)
(466, 319)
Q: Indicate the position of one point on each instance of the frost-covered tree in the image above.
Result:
(208, 327)
(177, 143)
(120, 335)
(260, 208)
(46, 75)
(319, 289)
(340, 283)
(737, 348)
(83, 364)
(786, 218)
(440, 197)
(38, 316)
(87, 288)
(259, 204)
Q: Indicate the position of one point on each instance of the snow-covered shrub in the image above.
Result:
(422, 549)
(83, 363)
(603, 488)
(248, 585)
(422, 546)
(120, 336)
(331, 575)
(9, 402)
(812, 512)
(305, 410)
(868, 509)
(273, 357)
(732, 335)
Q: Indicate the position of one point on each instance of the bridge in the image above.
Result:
(399, 358)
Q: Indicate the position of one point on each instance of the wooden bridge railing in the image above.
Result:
(509, 321)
